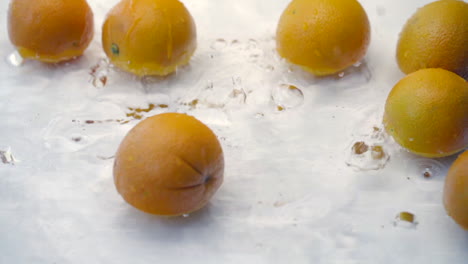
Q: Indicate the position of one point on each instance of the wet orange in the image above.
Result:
(427, 113)
(456, 191)
(323, 36)
(50, 30)
(169, 164)
(149, 37)
(436, 36)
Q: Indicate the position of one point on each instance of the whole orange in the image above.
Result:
(456, 190)
(169, 164)
(149, 37)
(427, 113)
(436, 36)
(50, 30)
(323, 36)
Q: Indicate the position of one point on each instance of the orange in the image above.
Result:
(169, 164)
(50, 30)
(436, 36)
(456, 190)
(149, 37)
(323, 36)
(427, 113)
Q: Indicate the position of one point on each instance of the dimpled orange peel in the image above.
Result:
(149, 37)
(456, 190)
(50, 30)
(436, 36)
(323, 36)
(169, 164)
(427, 113)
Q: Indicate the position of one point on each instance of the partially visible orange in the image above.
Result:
(323, 36)
(427, 113)
(436, 36)
(169, 164)
(149, 37)
(456, 191)
(50, 30)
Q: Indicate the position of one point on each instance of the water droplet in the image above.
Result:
(287, 96)
(235, 42)
(15, 59)
(427, 173)
(411, 139)
(405, 220)
(360, 157)
(259, 115)
(99, 73)
(240, 94)
(185, 215)
(360, 147)
(341, 74)
(377, 152)
(218, 44)
(251, 44)
(357, 64)
(269, 68)
(6, 157)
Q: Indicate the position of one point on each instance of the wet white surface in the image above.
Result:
(294, 192)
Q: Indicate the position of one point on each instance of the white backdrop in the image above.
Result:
(293, 192)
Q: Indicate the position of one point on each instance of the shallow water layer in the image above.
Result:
(311, 177)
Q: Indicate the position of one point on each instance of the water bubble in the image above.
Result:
(287, 96)
(218, 44)
(15, 59)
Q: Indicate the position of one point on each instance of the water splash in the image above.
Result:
(99, 73)
(425, 168)
(287, 96)
(368, 152)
